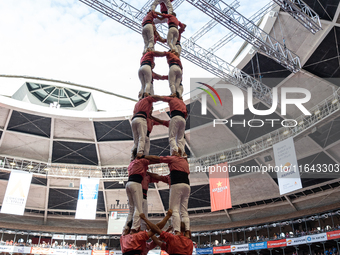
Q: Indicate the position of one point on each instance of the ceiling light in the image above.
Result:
(286, 132)
(335, 101)
(121, 182)
(222, 157)
(207, 161)
(317, 112)
(81, 171)
(46, 169)
(301, 123)
(97, 172)
(269, 139)
(30, 166)
(113, 172)
(12, 164)
(64, 170)
(238, 152)
(253, 146)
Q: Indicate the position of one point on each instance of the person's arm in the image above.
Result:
(153, 159)
(159, 53)
(156, 241)
(181, 27)
(153, 228)
(160, 122)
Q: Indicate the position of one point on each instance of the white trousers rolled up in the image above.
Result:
(147, 146)
(179, 198)
(146, 212)
(145, 77)
(139, 129)
(176, 133)
(175, 78)
(172, 38)
(148, 37)
(179, 49)
(134, 193)
(166, 2)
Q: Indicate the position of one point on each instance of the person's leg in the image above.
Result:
(141, 76)
(174, 205)
(134, 127)
(180, 140)
(147, 148)
(142, 129)
(179, 49)
(180, 89)
(130, 201)
(145, 39)
(170, 37)
(178, 77)
(172, 135)
(154, 4)
(145, 211)
(172, 79)
(137, 197)
(175, 35)
(168, 6)
(184, 205)
(150, 36)
(147, 77)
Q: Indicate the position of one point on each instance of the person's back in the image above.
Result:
(177, 244)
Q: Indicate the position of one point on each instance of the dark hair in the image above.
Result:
(177, 94)
(129, 224)
(182, 227)
(134, 153)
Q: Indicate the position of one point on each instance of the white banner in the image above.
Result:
(6, 248)
(296, 241)
(316, 238)
(22, 249)
(88, 252)
(60, 251)
(16, 193)
(241, 247)
(70, 237)
(114, 252)
(87, 199)
(79, 238)
(288, 170)
(117, 221)
(57, 237)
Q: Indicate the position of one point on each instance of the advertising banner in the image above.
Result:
(16, 193)
(117, 221)
(94, 252)
(60, 251)
(238, 248)
(276, 243)
(6, 248)
(221, 249)
(114, 252)
(204, 250)
(87, 199)
(316, 238)
(257, 246)
(296, 241)
(57, 237)
(79, 238)
(70, 237)
(219, 187)
(22, 249)
(38, 250)
(288, 170)
(333, 235)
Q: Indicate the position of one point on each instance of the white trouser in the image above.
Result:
(172, 38)
(135, 196)
(179, 198)
(139, 129)
(176, 133)
(145, 77)
(145, 211)
(166, 2)
(175, 78)
(180, 90)
(147, 146)
(179, 49)
(148, 37)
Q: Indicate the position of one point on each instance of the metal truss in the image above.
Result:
(251, 33)
(255, 18)
(207, 27)
(300, 11)
(322, 111)
(147, 6)
(126, 15)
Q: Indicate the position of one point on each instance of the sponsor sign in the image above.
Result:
(288, 170)
(38, 250)
(221, 249)
(114, 252)
(79, 238)
(6, 248)
(277, 243)
(238, 248)
(87, 199)
(296, 241)
(204, 250)
(257, 246)
(22, 249)
(316, 238)
(16, 193)
(57, 237)
(333, 235)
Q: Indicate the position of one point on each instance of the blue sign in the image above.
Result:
(204, 250)
(257, 246)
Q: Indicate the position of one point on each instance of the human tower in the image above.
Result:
(177, 239)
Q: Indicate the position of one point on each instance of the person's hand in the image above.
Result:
(173, 95)
(142, 216)
(169, 213)
(169, 229)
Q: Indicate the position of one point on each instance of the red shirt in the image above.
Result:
(179, 34)
(176, 163)
(172, 20)
(134, 242)
(149, 18)
(146, 180)
(176, 104)
(177, 244)
(173, 59)
(149, 246)
(163, 7)
(150, 122)
(144, 105)
(138, 166)
(149, 56)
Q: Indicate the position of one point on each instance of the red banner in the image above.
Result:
(38, 250)
(99, 252)
(222, 249)
(276, 243)
(219, 187)
(333, 235)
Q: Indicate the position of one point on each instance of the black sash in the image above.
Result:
(132, 252)
(177, 113)
(179, 177)
(135, 178)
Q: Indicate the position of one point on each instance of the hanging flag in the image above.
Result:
(288, 170)
(87, 199)
(16, 193)
(219, 187)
